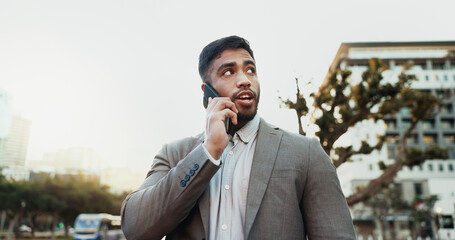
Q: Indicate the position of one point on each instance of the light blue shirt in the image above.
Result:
(229, 186)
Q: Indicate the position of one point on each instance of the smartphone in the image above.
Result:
(209, 92)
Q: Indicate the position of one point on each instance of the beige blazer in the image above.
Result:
(293, 192)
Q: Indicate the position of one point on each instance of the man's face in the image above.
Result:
(233, 74)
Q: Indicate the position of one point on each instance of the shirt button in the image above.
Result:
(231, 152)
(224, 227)
(226, 187)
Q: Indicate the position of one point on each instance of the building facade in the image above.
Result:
(13, 151)
(433, 63)
(5, 114)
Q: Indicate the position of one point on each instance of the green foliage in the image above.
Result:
(422, 209)
(344, 104)
(417, 156)
(5, 190)
(341, 103)
(387, 201)
(382, 165)
(65, 197)
(300, 106)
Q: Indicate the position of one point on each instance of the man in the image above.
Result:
(258, 182)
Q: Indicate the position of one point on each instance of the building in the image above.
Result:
(16, 173)
(14, 147)
(433, 63)
(5, 114)
(5, 120)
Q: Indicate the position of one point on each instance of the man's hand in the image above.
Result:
(216, 138)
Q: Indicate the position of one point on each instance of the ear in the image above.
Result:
(202, 86)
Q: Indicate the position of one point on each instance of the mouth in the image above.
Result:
(245, 98)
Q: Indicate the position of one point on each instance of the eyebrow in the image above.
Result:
(224, 65)
(248, 62)
(231, 64)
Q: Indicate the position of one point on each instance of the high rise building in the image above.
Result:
(14, 146)
(5, 119)
(5, 114)
(433, 63)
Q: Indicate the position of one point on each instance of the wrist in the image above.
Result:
(213, 150)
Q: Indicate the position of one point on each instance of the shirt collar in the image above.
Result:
(247, 132)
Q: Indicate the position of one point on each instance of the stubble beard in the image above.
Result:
(247, 114)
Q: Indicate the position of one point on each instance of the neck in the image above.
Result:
(237, 127)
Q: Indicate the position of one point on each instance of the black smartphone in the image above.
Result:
(210, 92)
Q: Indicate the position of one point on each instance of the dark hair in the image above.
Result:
(215, 48)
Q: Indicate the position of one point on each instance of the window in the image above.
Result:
(447, 222)
(429, 139)
(430, 167)
(392, 138)
(447, 123)
(441, 167)
(428, 125)
(449, 139)
(427, 78)
(446, 78)
(370, 166)
(404, 111)
(390, 125)
(399, 188)
(437, 77)
(392, 152)
(421, 65)
(413, 139)
(440, 93)
(405, 124)
(420, 168)
(451, 153)
(438, 65)
(446, 108)
(418, 190)
(450, 167)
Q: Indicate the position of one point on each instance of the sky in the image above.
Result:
(121, 76)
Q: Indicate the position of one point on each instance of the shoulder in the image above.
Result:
(289, 138)
(296, 146)
(294, 149)
(305, 150)
(184, 145)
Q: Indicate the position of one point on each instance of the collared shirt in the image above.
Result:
(229, 186)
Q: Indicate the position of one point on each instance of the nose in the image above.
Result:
(243, 81)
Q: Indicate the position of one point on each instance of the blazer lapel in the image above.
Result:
(263, 162)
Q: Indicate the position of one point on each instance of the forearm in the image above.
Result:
(163, 201)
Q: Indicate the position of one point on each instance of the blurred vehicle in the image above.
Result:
(25, 229)
(97, 226)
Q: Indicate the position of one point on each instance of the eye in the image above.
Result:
(228, 73)
(251, 70)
